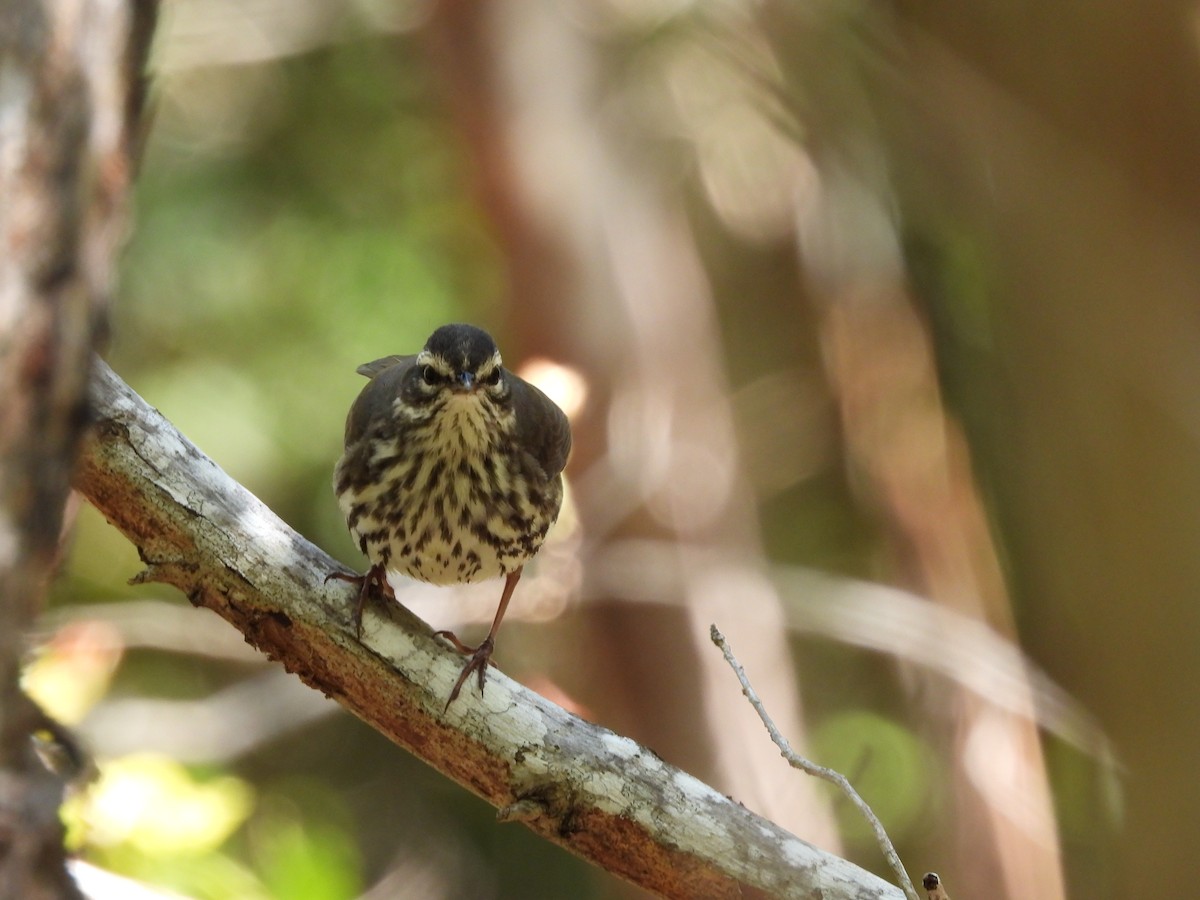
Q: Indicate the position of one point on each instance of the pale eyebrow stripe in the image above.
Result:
(425, 358)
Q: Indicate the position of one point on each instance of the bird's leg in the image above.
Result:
(481, 656)
(371, 581)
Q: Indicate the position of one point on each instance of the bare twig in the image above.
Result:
(599, 795)
(805, 765)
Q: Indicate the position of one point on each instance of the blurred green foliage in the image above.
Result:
(335, 229)
(888, 765)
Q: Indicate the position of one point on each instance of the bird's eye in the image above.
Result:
(430, 375)
(492, 378)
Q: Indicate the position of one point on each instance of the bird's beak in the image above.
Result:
(466, 381)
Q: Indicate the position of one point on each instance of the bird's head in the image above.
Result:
(461, 360)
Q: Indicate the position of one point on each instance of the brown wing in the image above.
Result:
(375, 400)
(542, 427)
(376, 366)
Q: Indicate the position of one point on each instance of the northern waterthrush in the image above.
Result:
(452, 472)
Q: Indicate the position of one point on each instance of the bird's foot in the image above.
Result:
(481, 658)
(373, 581)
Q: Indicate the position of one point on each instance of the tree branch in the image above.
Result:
(599, 795)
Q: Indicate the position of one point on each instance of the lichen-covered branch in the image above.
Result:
(593, 792)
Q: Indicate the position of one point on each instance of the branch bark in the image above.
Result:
(593, 792)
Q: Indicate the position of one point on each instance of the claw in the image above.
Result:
(372, 581)
(481, 658)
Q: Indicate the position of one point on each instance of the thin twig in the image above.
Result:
(796, 761)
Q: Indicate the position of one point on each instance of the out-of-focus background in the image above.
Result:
(879, 327)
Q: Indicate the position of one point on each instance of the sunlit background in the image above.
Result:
(877, 326)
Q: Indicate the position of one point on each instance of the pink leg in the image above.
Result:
(481, 656)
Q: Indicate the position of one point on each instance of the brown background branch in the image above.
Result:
(583, 787)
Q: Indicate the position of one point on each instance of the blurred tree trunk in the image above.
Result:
(904, 451)
(1049, 166)
(1043, 168)
(604, 269)
(70, 90)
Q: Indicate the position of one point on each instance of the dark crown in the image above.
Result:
(463, 346)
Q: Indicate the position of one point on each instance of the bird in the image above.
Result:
(451, 473)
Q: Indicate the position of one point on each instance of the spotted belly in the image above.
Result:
(450, 519)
